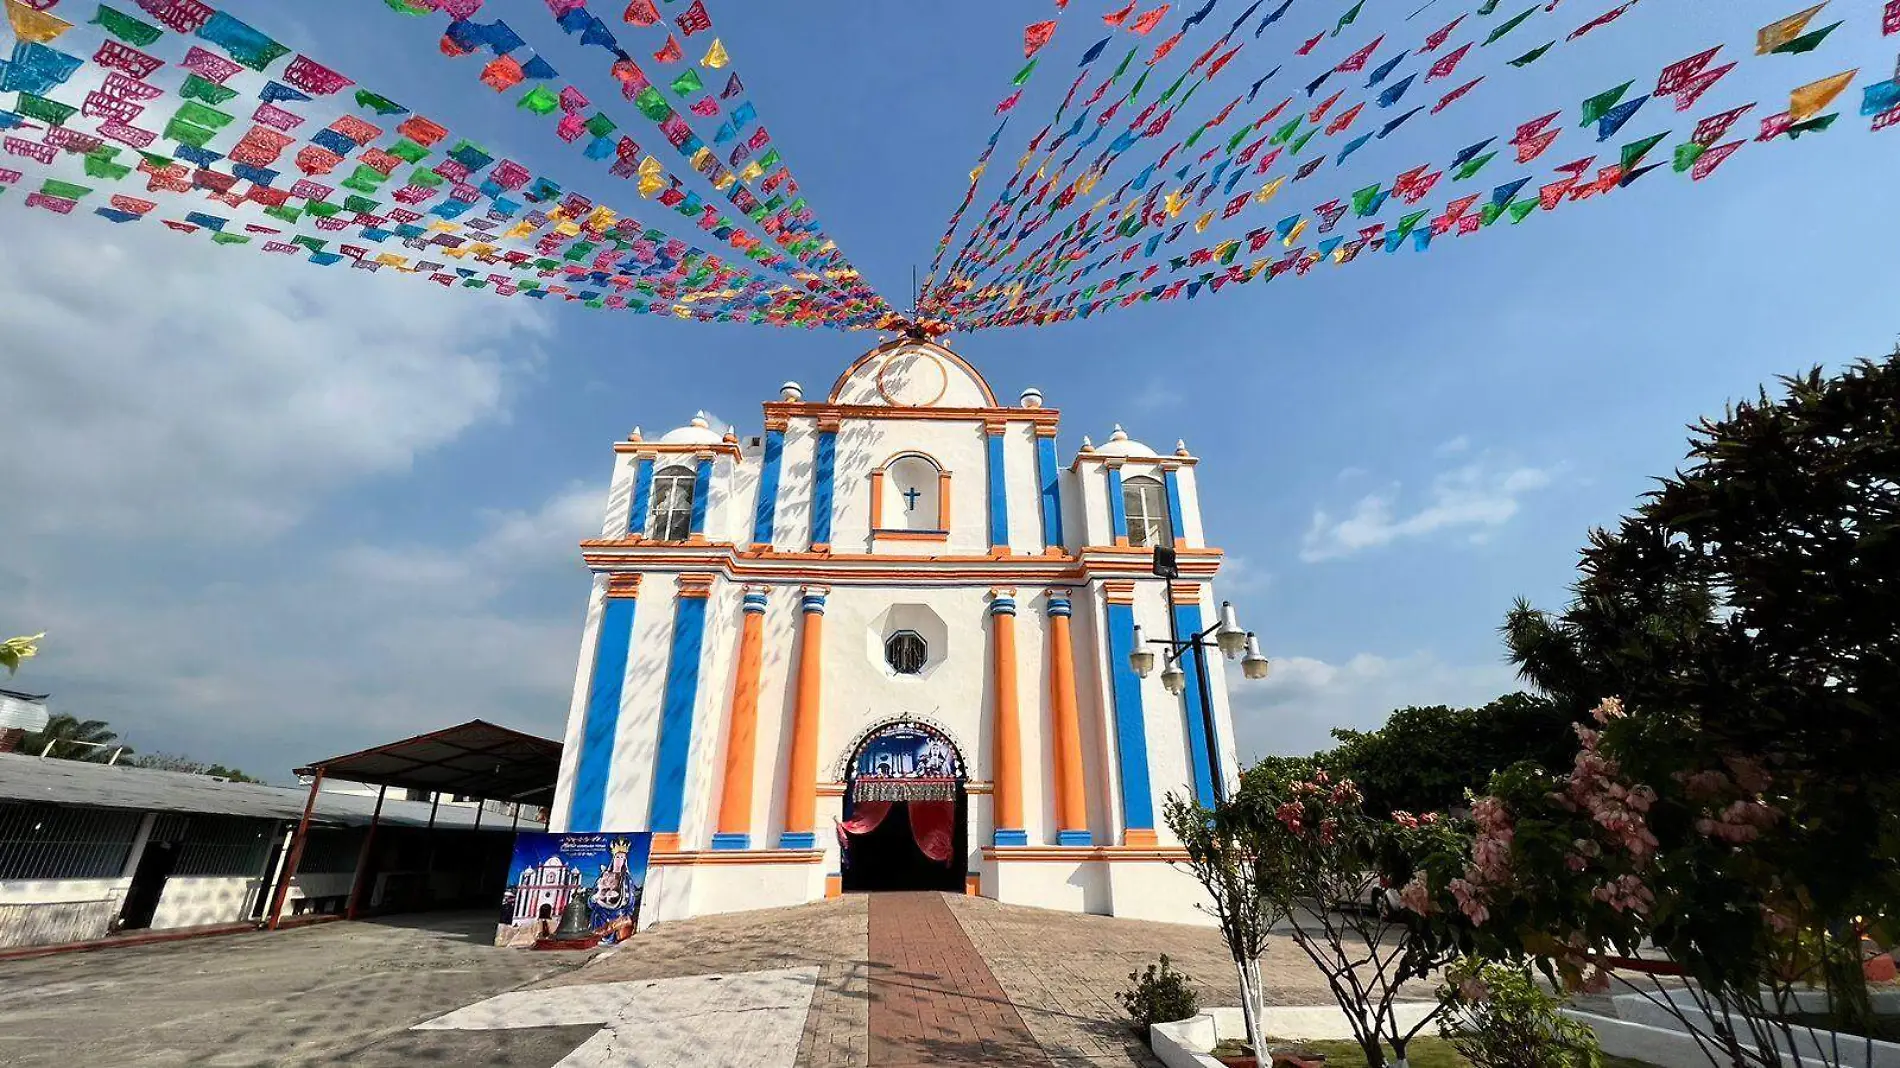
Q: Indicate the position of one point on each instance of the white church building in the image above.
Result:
(886, 644)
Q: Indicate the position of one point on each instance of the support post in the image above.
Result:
(1007, 796)
(801, 770)
(1072, 818)
(296, 852)
(362, 857)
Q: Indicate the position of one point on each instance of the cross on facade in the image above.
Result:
(911, 495)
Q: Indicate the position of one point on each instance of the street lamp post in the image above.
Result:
(1228, 638)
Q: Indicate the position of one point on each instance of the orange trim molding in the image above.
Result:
(655, 449)
(973, 885)
(834, 886)
(1187, 593)
(902, 344)
(737, 856)
(1082, 854)
(665, 842)
(622, 585)
(1140, 838)
(696, 585)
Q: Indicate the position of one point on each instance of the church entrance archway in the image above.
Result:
(906, 813)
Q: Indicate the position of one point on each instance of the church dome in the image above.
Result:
(1120, 444)
(697, 432)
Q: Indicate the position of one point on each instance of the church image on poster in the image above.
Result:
(573, 890)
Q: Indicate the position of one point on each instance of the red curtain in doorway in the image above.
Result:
(865, 816)
(930, 825)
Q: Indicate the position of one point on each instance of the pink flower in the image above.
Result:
(1470, 900)
(1610, 708)
(1473, 990)
(1405, 819)
(1597, 982)
(1416, 895)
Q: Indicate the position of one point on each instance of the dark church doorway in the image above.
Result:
(906, 813)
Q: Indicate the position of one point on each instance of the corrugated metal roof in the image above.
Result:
(78, 782)
(27, 711)
(476, 758)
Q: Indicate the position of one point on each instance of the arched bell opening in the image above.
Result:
(906, 811)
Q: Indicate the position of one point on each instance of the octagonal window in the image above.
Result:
(906, 652)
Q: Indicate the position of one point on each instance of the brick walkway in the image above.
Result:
(933, 999)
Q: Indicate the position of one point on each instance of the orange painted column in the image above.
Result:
(1007, 798)
(1072, 812)
(801, 771)
(735, 797)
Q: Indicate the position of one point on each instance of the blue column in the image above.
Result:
(676, 711)
(642, 496)
(588, 801)
(999, 500)
(1172, 477)
(1117, 508)
(1048, 476)
(1187, 618)
(702, 491)
(1131, 735)
(768, 489)
(825, 471)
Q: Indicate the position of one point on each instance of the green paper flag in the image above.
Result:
(285, 212)
(423, 176)
(1285, 133)
(540, 100)
(1634, 152)
(366, 179)
(1533, 55)
(196, 88)
(1813, 125)
(1472, 167)
(1166, 96)
(1301, 141)
(600, 125)
(63, 190)
(200, 115)
(51, 112)
(322, 209)
(1362, 200)
(1489, 6)
(360, 205)
(103, 167)
(378, 103)
(1195, 136)
(1021, 75)
(1807, 42)
(1687, 153)
(183, 132)
(1346, 19)
(221, 238)
(311, 243)
(688, 83)
(1239, 136)
(652, 104)
(1514, 22)
(1120, 70)
(125, 27)
(1409, 222)
(1594, 107)
(1521, 208)
(770, 159)
(1489, 214)
(408, 151)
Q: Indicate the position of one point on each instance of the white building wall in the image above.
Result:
(1190, 487)
(637, 732)
(705, 758)
(1023, 489)
(791, 522)
(577, 706)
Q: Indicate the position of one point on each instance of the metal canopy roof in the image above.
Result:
(477, 759)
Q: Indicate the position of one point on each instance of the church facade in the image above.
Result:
(887, 643)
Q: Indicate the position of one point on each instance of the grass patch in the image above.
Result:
(1422, 1052)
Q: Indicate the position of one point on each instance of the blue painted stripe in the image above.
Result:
(642, 496)
(1011, 837)
(1173, 480)
(702, 494)
(1187, 617)
(821, 490)
(1049, 476)
(798, 840)
(999, 500)
(1117, 508)
(735, 840)
(1131, 736)
(588, 802)
(1074, 838)
(768, 488)
(676, 715)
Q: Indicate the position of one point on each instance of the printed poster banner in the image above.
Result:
(574, 890)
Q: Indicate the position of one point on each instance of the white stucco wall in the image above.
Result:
(193, 901)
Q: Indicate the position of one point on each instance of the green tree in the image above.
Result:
(70, 737)
(1425, 759)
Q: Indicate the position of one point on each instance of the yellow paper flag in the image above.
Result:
(568, 228)
(1294, 234)
(726, 179)
(1254, 271)
(977, 174)
(1807, 101)
(1201, 224)
(33, 25)
(601, 219)
(520, 229)
(390, 259)
(752, 172)
(715, 56)
(650, 184)
(701, 157)
(1174, 202)
(1780, 32)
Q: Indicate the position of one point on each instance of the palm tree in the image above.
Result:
(67, 735)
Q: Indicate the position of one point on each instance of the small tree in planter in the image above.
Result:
(1236, 867)
(1324, 852)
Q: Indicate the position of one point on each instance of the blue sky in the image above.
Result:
(269, 512)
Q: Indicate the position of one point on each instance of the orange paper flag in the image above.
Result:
(1780, 32)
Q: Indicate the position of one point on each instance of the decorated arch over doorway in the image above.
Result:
(905, 810)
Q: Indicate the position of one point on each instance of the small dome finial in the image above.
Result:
(791, 392)
(1118, 434)
(635, 436)
(1032, 397)
(1180, 447)
(700, 421)
(1087, 445)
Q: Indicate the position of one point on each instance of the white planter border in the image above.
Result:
(1185, 1044)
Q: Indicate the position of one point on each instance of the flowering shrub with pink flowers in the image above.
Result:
(1596, 875)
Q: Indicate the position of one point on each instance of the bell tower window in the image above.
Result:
(672, 516)
(1145, 501)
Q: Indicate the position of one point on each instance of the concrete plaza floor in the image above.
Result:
(874, 981)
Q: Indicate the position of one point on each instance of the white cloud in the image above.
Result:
(1239, 576)
(1453, 447)
(158, 384)
(176, 419)
(1478, 497)
(1304, 698)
